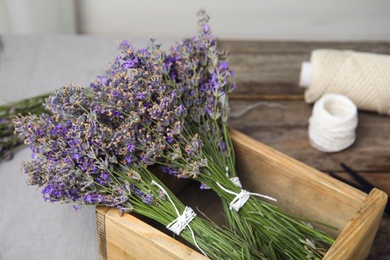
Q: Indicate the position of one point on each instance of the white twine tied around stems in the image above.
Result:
(235, 180)
(182, 221)
(242, 197)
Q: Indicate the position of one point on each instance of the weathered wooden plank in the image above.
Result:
(266, 74)
(381, 246)
(366, 222)
(381, 180)
(101, 232)
(283, 125)
(128, 237)
(299, 47)
(274, 67)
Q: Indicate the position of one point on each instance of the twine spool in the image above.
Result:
(362, 77)
(333, 123)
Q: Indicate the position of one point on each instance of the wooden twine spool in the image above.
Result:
(362, 77)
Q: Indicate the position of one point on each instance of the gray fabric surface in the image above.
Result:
(31, 65)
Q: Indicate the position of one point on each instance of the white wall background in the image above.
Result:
(250, 19)
(37, 16)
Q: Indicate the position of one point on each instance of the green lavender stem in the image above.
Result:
(278, 234)
(216, 242)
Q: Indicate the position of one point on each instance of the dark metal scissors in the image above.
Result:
(364, 186)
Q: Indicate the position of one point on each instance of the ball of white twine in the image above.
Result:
(333, 123)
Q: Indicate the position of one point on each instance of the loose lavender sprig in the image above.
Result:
(9, 142)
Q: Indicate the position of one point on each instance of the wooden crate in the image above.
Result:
(300, 190)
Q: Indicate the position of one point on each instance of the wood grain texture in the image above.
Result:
(268, 71)
(101, 231)
(300, 189)
(128, 237)
(284, 126)
(304, 191)
(352, 242)
(273, 67)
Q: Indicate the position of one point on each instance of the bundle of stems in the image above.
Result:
(153, 108)
(76, 161)
(279, 234)
(199, 72)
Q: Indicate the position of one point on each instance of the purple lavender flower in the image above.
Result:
(129, 64)
(204, 186)
(148, 198)
(93, 198)
(125, 44)
(130, 147)
(223, 146)
(144, 92)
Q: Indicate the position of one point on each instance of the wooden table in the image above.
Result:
(268, 72)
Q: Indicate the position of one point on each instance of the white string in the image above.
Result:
(236, 181)
(333, 123)
(241, 198)
(182, 221)
(253, 106)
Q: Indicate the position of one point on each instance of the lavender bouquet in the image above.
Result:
(125, 92)
(153, 108)
(87, 154)
(200, 73)
(197, 136)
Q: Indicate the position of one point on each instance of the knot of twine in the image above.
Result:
(241, 198)
(362, 77)
(236, 181)
(182, 221)
(333, 123)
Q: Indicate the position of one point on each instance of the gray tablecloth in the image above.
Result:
(31, 65)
